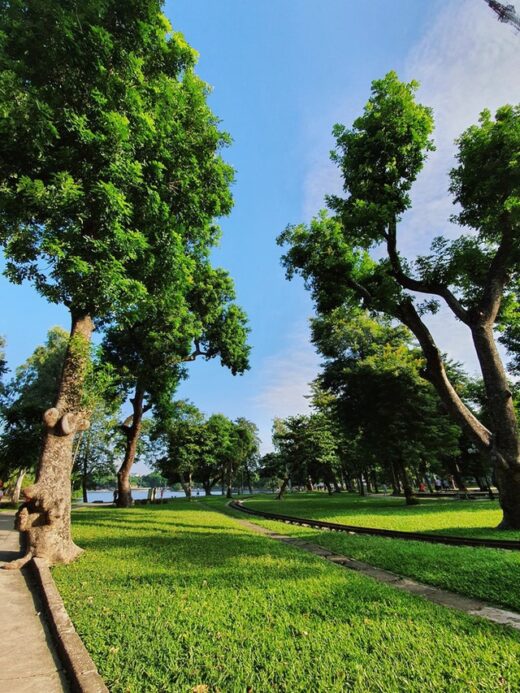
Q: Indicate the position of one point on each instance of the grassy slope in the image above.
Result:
(170, 598)
(437, 516)
(488, 574)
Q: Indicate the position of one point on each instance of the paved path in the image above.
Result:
(474, 607)
(28, 663)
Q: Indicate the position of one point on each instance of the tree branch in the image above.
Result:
(435, 288)
(496, 279)
(195, 353)
(436, 374)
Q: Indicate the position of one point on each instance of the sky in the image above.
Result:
(282, 73)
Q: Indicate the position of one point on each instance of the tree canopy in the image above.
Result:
(475, 275)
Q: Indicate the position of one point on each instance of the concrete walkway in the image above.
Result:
(28, 663)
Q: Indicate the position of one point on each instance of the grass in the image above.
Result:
(489, 574)
(183, 598)
(465, 518)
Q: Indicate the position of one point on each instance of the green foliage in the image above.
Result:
(108, 151)
(306, 450)
(380, 158)
(379, 398)
(208, 603)
(97, 448)
(31, 391)
(206, 450)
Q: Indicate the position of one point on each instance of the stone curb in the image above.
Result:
(81, 670)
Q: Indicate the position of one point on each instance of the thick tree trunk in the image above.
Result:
(505, 443)
(45, 516)
(132, 431)
(361, 488)
(15, 497)
(207, 488)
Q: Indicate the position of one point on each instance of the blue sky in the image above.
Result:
(283, 72)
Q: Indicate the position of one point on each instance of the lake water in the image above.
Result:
(141, 493)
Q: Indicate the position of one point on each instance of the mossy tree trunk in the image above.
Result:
(45, 515)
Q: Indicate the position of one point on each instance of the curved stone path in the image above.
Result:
(28, 660)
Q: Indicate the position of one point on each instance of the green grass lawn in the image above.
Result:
(489, 574)
(465, 518)
(171, 598)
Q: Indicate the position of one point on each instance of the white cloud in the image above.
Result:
(466, 61)
(285, 376)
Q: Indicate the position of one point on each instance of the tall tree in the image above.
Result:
(108, 156)
(176, 324)
(475, 274)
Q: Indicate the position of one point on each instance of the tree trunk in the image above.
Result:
(457, 477)
(45, 516)
(207, 488)
(85, 470)
(282, 488)
(374, 481)
(186, 485)
(15, 497)
(407, 487)
(229, 479)
(361, 488)
(132, 430)
(505, 443)
(396, 484)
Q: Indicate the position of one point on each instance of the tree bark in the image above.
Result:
(45, 516)
(18, 486)
(283, 487)
(132, 430)
(407, 486)
(396, 484)
(457, 477)
(229, 479)
(85, 470)
(505, 442)
(186, 485)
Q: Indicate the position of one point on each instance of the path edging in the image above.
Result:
(81, 670)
